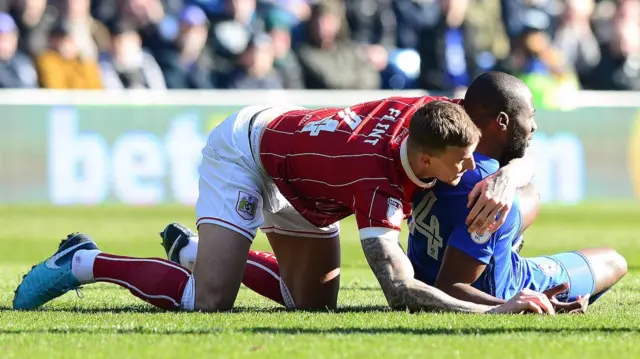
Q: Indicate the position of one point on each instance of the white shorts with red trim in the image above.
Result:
(234, 190)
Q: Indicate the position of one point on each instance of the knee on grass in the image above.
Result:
(618, 263)
(608, 266)
(213, 299)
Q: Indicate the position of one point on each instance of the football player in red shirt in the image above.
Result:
(493, 91)
(295, 173)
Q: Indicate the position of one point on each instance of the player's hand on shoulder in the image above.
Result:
(492, 199)
(526, 301)
(578, 306)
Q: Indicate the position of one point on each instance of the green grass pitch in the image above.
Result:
(109, 323)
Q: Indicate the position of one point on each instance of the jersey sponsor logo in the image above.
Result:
(400, 136)
(481, 238)
(246, 206)
(394, 212)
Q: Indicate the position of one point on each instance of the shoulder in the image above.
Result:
(47, 56)
(21, 57)
(148, 57)
(457, 195)
(468, 181)
(484, 167)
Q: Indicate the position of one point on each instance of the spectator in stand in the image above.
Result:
(371, 22)
(575, 39)
(619, 68)
(255, 66)
(297, 13)
(278, 26)
(372, 25)
(155, 23)
(329, 59)
(189, 64)
(490, 41)
(449, 59)
(299, 9)
(16, 69)
(543, 68)
(439, 45)
(90, 35)
(62, 67)
(517, 15)
(128, 65)
(232, 28)
(35, 20)
(411, 17)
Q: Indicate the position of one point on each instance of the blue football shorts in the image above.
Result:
(572, 267)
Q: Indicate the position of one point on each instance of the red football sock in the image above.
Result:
(262, 275)
(154, 280)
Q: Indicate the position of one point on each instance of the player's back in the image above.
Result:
(322, 160)
(438, 221)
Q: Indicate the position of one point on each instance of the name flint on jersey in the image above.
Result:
(380, 129)
(361, 143)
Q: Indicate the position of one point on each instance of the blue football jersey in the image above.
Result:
(438, 221)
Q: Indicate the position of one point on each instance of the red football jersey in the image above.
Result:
(332, 162)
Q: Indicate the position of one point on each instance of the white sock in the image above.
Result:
(189, 295)
(82, 265)
(189, 253)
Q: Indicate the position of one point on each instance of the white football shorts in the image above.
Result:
(234, 190)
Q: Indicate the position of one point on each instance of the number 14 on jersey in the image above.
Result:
(427, 225)
(330, 125)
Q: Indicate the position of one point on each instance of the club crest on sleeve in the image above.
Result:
(481, 238)
(394, 212)
(247, 205)
(548, 268)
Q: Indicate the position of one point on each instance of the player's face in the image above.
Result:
(520, 133)
(453, 163)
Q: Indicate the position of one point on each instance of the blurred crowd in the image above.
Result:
(439, 45)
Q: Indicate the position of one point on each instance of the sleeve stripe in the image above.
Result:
(379, 232)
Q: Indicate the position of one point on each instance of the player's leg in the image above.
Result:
(78, 261)
(310, 269)
(229, 211)
(588, 271)
(219, 267)
(261, 272)
(607, 266)
(305, 259)
(308, 258)
(229, 208)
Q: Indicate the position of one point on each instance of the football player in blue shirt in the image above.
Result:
(486, 268)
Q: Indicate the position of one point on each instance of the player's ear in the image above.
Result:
(426, 160)
(503, 121)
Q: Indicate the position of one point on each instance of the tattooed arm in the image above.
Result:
(395, 274)
(520, 170)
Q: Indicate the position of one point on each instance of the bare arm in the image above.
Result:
(395, 274)
(520, 170)
(458, 272)
(529, 200)
(495, 194)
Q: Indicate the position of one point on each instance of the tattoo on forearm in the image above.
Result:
(395, 274)
(496, 187)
